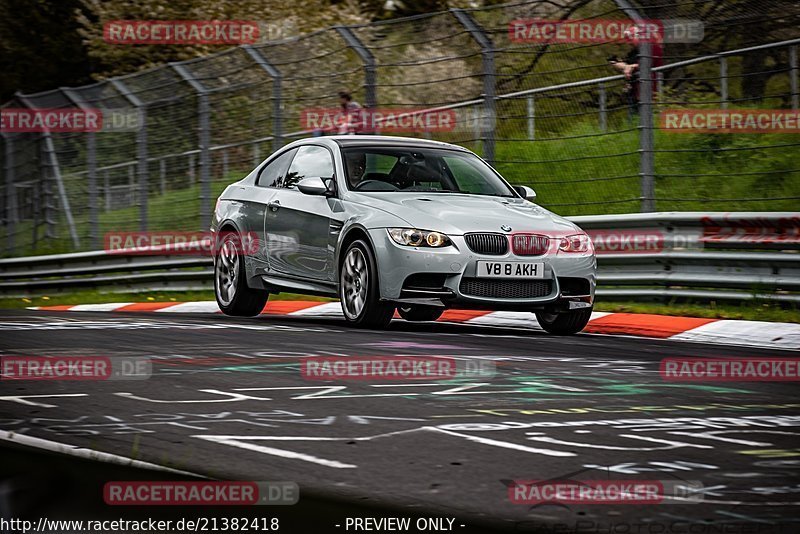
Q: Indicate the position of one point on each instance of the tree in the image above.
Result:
(40, 47)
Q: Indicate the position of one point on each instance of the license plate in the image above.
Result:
(510, 269)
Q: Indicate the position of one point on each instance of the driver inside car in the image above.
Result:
(356, 165)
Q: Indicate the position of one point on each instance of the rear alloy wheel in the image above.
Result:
(416, 312)
(359, 291)
(230, 282)
(566, 323)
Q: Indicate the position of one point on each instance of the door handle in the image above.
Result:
(274, 205)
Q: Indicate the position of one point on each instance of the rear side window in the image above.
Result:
(311, 162)
(274, 172)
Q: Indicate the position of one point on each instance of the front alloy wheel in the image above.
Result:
(359, 291)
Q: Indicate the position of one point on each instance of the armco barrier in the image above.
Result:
(649, 256)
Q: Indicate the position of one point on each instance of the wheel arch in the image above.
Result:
(228, 224)
(353, 233)
(225, 226)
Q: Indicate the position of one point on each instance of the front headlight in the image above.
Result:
(575, 243)
(411, 237)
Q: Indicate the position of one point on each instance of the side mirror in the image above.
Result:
(525, 192)
(313, 186)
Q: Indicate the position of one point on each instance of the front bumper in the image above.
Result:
(455, 266)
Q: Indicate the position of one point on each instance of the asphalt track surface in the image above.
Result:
(227, 400)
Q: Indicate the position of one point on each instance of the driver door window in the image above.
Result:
(310, 162)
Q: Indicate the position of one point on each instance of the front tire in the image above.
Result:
(414, 312)
(233, 295)
(359, 290)
(566, 323)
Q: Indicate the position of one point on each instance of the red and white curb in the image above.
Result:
(694, 329)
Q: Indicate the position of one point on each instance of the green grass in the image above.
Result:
(694, 172)
(745, 311)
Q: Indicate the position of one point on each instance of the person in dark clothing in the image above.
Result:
(629, 67)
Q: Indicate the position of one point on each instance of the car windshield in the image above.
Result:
(430, 170)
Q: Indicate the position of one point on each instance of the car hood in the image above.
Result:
(457, 214)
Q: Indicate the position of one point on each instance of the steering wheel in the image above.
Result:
(382, 186)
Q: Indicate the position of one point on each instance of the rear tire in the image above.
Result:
(359, 290)
(416, 312)
(233, 295)
(566, 323)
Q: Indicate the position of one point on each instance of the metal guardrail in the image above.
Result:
(655, 256)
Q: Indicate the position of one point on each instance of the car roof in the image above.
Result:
(346, 141)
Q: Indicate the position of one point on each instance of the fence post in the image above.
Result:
(141, 149)
(132, 184)
(477, 134)
(62, 192)
(204, 139)
(45, 192)
(646, 136)
(11, 193)
(601, 97)
(91, 159)
(370, 95)
(91, 170)
(277, 112)
(723, 81)
(793, 82)
(531, 118)
(52, 158)
(107, 189)
(36, 194)
(479, 35)
(162, 169)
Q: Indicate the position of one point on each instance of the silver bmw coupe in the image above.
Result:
(394, 223)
